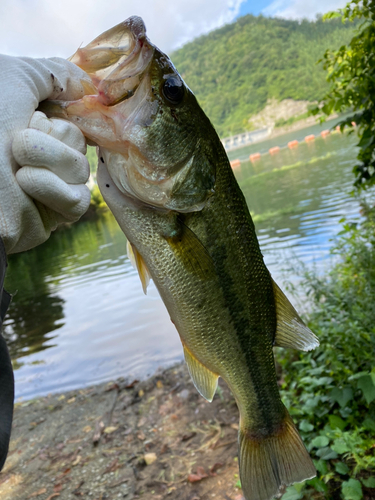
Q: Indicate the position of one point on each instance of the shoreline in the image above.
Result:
(294, 127)
(153, 439)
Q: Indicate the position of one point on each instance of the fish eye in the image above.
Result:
(173, 90)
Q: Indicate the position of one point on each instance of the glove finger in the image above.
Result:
(72, 82)
(71, 201)
(50, 218)
(64, 131)
(33, 148)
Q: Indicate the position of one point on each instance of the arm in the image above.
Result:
(6, 371)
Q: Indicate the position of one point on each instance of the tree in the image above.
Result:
(351, 73)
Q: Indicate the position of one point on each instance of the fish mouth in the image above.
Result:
(116, 60)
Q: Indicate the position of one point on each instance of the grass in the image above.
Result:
(331, 391)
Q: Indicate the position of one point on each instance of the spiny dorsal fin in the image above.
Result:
(291, 331)
(204, 380)
(139, 264)
(188, 248)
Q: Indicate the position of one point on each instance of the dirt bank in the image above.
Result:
(154, 439)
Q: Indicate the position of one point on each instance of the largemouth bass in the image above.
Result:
(166, 177)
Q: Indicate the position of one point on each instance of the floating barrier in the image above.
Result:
(274, 150)
(292, 144)
(235, 163)
(254, 156)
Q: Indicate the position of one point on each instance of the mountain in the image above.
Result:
(234, 70)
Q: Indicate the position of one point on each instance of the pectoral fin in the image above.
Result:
(291, 330)
(204, 380)
(138, 263)
(189, 249)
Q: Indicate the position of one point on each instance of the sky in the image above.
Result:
(46, 28)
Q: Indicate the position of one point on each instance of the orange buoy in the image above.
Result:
(292, 144)
(354, 124)
(338, 128)
(274, 150)
(235, 163)
(254, 156)
(324, 133)
(310, 138)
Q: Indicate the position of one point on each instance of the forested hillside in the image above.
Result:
(235, 69)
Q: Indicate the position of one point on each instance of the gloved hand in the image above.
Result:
(42, 164)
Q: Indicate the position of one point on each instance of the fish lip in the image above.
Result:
(116, 60)
(136, 26)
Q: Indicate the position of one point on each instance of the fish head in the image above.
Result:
(153, 136)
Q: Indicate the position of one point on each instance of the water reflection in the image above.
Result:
(36, 311)
(79, 315)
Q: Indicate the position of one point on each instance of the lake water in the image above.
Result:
(79, 316)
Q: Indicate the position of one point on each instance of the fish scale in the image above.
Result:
(165, 176)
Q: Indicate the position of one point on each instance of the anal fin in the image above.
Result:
(138, 263)
(204, 379)
(291, 331)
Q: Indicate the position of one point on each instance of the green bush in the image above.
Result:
(331, 391)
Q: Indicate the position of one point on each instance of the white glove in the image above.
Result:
(49, 188)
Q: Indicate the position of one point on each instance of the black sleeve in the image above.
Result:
(6, 370)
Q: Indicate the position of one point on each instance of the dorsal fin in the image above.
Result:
(204, 379)
(291, 331)
(138, 263)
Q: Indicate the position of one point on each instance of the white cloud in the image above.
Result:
(42, 28)
(298, 9)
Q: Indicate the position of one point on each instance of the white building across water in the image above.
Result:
(240, 140)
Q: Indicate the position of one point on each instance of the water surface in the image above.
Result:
(79, 315)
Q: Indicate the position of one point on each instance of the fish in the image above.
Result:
(165, 176)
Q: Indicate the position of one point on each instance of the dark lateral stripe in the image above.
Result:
(253, 328)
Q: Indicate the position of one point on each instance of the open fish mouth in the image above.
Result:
(116, 60)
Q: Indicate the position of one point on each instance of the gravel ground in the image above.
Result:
(153, 439)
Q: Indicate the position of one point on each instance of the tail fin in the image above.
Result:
(267, 464)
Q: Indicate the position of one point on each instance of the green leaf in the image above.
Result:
(320, 442)
(321, 466)
(341, 468)
(340, 446)
(336, 422)
(357, 375)
(352, 490)
(367, 386)
(305, 426)
(366, 139)
(318, 484)
(369, 483)
(331, 15)
(326, 453)
(369, 424)
(292, 494)
(342, 396)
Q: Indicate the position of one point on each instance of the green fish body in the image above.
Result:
(166, 177)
